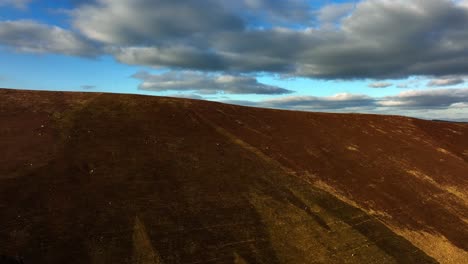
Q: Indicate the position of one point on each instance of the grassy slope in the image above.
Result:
(91, 178)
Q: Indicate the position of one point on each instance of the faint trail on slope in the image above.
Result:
(238, 259)
(244, 144)
(311, 180)
(144, 252)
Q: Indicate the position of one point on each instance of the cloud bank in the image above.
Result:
(205, 83)
(424, 103)
(369, 39)
(33, 37)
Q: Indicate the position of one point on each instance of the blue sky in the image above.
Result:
(370, 56)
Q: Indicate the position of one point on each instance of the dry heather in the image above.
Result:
(102, 178)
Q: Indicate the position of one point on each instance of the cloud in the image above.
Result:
(446, 82)
(20, 4)
(338, 101)
(88, 87)
(156, 22)
(380, 85)
(442, 103)
(383, 39)
(33, 37)
(186, 57)
(426, 99)
(205, 83)
(283, 12)
(373, 39)
(412, 83)
(459, 105)
(187, 96)
(333, 13)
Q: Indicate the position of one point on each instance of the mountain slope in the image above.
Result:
(107, 178)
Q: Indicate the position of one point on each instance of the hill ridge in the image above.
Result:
(203, 176)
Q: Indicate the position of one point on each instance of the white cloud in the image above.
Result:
(446, 82)
(459, 105)
(380, 85)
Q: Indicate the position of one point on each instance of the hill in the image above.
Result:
(110, 178)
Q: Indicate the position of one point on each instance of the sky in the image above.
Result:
(370, 56)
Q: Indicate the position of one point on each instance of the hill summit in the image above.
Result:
(110, 178)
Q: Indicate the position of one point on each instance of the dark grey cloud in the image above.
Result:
(183, 57)
(268, 11)
(373, 39)
(161, 22)
(376, 39)
(30, 36)
(192, 58)
(205, 83)
(380, 85)
(396, 39)
(445, 82)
